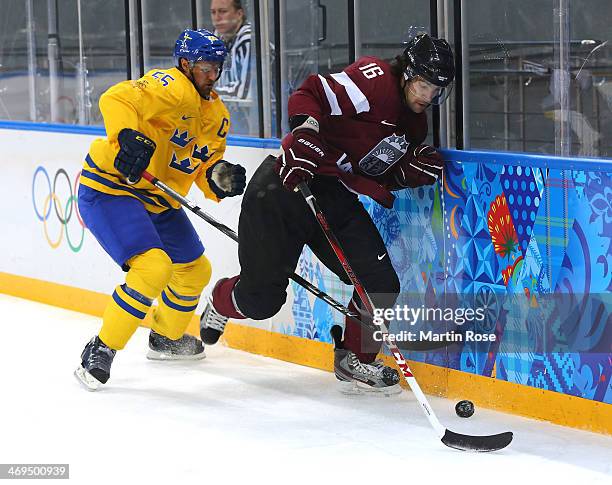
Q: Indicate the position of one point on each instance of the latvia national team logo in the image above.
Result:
(388, 151)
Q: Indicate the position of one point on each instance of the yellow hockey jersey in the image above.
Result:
(190, 133)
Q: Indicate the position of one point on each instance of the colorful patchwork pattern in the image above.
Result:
(531, 245)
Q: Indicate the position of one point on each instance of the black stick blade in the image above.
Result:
(476, 443)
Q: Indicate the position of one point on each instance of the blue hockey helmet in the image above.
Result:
(200, 45)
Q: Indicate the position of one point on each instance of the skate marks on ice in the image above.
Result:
(240, 415)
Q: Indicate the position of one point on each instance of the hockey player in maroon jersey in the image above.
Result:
(359, 131)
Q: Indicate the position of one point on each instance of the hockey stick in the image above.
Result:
(417, 346)
(232, 235)
(449, 438)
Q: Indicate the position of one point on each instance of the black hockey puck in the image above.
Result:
(464, 409)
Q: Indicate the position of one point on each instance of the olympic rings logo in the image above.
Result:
(63, 212)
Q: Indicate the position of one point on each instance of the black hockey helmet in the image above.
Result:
(432, 60)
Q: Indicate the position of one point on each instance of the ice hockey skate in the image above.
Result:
(96, 361)
(212, 324)
(358, 378)
(185, 348)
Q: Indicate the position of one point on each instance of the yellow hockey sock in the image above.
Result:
(180, 298)
(122, 316)
(149, 273)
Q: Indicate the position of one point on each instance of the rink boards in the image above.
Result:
(536, 260)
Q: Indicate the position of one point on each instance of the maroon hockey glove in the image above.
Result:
(422, 165)
(302, 152)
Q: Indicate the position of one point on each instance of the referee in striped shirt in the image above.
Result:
(231, 25)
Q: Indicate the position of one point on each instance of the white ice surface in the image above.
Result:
(241, 418)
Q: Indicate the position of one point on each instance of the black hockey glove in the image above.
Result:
(302, 152)
(421, 165)
(226, 179)
(135, 152)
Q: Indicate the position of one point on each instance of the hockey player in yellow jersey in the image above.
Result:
(171, 123)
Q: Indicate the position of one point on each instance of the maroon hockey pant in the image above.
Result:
(274, 226)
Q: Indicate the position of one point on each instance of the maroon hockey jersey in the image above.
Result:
(365, 126)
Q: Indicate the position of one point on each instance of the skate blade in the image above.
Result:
(354, 388)
(155, 355)
(86, 379)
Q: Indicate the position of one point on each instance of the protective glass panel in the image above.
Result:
(58, 57)
(383, 30)
(314, 40)
(590, 90)
(538, 78)
(92, 56)
(162, 22)
(20, 66)
(234, 22)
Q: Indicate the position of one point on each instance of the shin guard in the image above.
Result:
(223, 298)
(180, 298)
(360, 339)
(149, 273)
